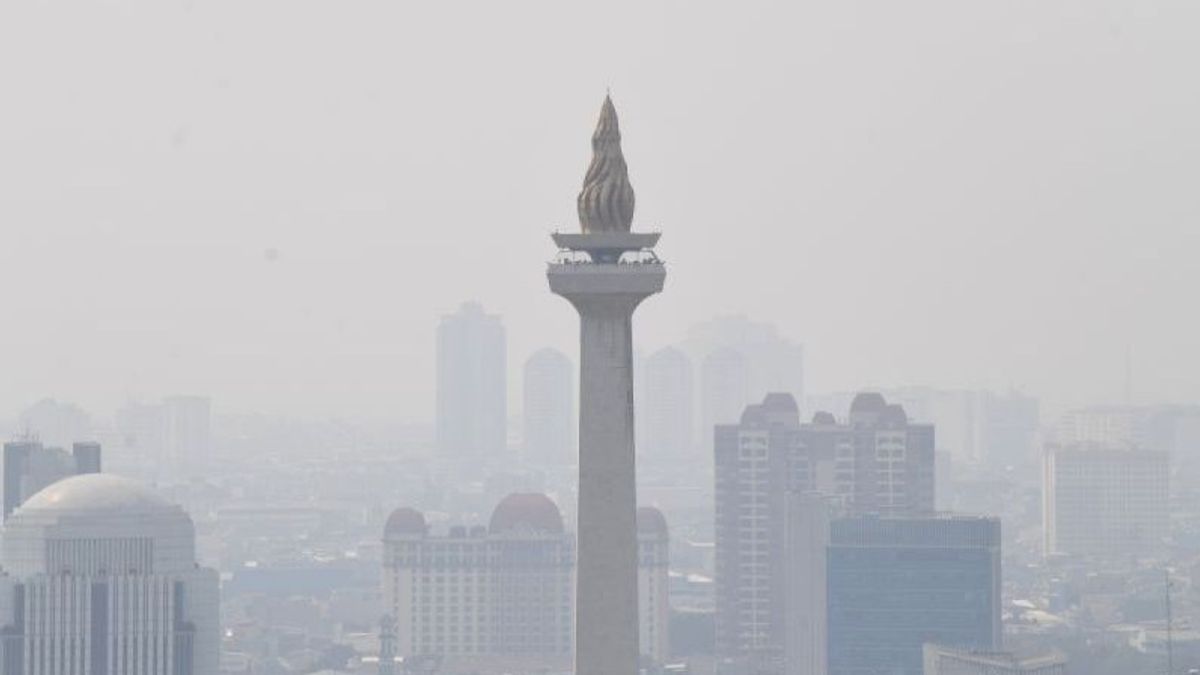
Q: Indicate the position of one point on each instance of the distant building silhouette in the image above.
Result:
(29, 467)
(894, 584)
(549, 409)
(875, 462)
(170, 440)
(472, 408)
(1106, 500)
(666, 407)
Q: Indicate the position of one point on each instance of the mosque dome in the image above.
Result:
(405, 522)
(529, 511)
(98, 524)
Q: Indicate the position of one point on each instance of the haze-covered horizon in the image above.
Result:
(272, 203)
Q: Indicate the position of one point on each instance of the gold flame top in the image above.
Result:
(606, 200)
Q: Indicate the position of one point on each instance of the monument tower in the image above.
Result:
(605, 272)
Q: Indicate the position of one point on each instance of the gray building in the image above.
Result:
(549, 409)
(472, 408)
(894, 584)
(1106, 500)
(876, 462)
(29, 466)
(665, 406)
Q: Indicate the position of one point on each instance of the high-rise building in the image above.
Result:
(807, 536)
(606, 271)
(187, 424)
(549, 409)
(940, 660)
(101, 577)
(894, 584)
(472, 408)
(724, 388)
(1105, 500)
(55, 423)
(654, 606)
(29, 467)
(876, 462)
(500, 599)
(665, 406)
(741, 361)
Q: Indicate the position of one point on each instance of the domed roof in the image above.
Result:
(405, 522)
(651, 521)
(98, 493)
(868, 402)
(532, 511)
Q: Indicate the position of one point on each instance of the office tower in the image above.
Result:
(472, 408)
(665, 406)
(654, 606)
(741, 361)
(187, 424)
(807, 536)
(549, 409)
(605, 272)
(500, 598)
(724, 388)
(1105, 500)
(894, 584)
(940, 660)
(102, 578)
(29, 466)
(875, 462)
(55, 423)
(87, 457)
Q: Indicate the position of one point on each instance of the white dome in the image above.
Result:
(95, 493)
(97, 523)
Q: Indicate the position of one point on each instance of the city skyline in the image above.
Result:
(242, 238)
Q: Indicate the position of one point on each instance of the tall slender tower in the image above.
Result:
(605, 272)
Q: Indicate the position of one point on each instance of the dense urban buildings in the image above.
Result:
(549, 409)
(500, 599)
(876, 462)
(472, 395)
(940, 660)
(665, 407)
(101, 577)
(896, 583)
(606, 272)
(1105, 499)
(29, 466)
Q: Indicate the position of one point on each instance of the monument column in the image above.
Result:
(606, 272)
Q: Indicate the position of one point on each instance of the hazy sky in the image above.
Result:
(273, 201)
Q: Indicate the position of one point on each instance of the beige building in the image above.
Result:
(501, 598)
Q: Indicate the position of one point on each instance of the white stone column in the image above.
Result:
(606, 597)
